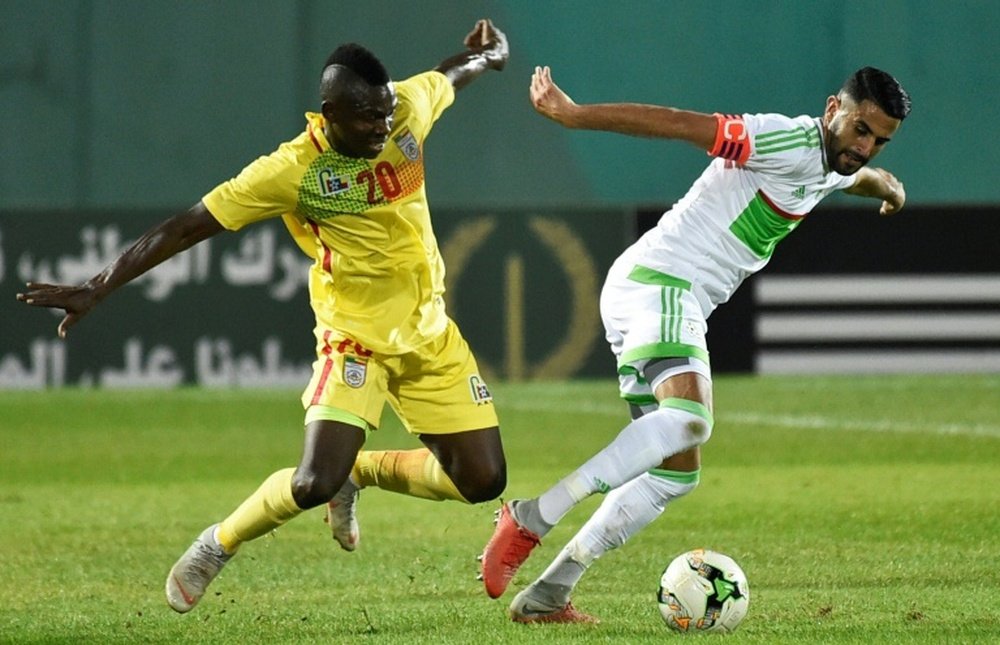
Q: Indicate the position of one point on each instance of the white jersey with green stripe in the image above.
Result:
(727, 225)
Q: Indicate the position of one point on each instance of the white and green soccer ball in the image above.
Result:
(703, 591)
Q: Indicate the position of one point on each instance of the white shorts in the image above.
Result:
(650, 316)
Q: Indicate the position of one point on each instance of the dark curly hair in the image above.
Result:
(880, 88)
(360, 61)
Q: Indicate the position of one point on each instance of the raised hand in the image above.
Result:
(489, 40)
(547, 98)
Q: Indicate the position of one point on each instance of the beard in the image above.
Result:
(843, 160)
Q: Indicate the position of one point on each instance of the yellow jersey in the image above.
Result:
(377, 275)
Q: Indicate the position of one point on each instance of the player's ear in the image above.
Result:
(326, 108)
(832, 105)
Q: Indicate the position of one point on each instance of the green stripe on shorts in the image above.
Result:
(639, 399)
(328, 413)
(659, 350)
(644, 275)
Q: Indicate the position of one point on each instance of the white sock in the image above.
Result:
(640, 446)
(625, 512)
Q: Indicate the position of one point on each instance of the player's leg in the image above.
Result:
(623, 513)
(439, 396)
(682, 421)
(657, 330)
(329, 453)
(466, 466)
(474, 460)
(349, 386)
(327, 457)
(342, 402)
(675, 426)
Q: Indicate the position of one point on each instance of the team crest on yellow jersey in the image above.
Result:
(407, 143)
(354, 371)
(480, 393)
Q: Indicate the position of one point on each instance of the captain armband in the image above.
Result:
(731, 139)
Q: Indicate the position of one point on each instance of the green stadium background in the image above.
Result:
(116, 114)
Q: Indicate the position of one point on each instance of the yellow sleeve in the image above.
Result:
(268, 187)
(429, 94)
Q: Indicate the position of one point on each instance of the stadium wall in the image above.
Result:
(848, 292)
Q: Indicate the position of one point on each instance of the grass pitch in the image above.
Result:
(863, 510)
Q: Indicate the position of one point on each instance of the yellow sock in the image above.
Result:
(411, 472)
(269, 507)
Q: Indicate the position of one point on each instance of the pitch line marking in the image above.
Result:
(794, 421)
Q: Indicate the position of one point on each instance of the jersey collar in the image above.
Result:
(822, 144)
(315, 125)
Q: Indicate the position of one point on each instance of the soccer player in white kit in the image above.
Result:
(768, 172)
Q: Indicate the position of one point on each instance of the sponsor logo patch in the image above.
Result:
(480, 393)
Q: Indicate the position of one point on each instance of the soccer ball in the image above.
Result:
(703, 591)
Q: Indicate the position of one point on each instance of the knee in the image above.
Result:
(487, 483)
(309, 489)
(694, 425)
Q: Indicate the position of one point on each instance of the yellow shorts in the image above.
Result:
(435, 389)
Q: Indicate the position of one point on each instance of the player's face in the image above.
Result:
(856, 133)
(360, 122)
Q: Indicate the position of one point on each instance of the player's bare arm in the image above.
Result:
(633, 119)
(486, 49)
(160, 243)
(881, 184)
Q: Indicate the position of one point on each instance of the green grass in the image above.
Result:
(863, 510)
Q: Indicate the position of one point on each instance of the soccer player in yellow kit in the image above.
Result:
(350, 190)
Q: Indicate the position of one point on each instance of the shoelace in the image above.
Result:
(522, 545)
(209, 559)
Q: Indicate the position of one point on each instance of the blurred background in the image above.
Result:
(117, 114)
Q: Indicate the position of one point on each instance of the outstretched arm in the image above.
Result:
(881, 184)
(624, 118)
(487, 49)
(158, 244)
